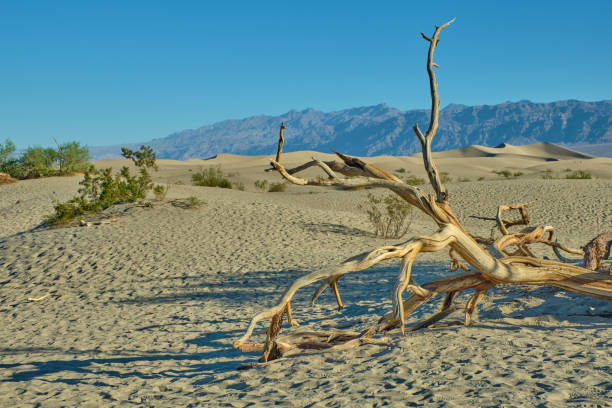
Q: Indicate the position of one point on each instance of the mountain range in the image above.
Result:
(384, 130)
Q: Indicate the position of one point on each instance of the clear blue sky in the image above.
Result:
(109, 72)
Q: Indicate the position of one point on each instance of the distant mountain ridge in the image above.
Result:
(384, 130)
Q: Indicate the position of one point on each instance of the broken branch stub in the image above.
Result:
(491, 265)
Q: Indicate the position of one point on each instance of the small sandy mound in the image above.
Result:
(6, 179)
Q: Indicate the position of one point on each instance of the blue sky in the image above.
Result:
(110, 72)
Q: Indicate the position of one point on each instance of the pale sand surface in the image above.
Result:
(150, 305)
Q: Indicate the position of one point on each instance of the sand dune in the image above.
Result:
(143, 312)
(539, 151)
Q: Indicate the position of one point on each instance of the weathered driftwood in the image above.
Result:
(492, 264)
(84, 223)
(281, 141)
(596, 251)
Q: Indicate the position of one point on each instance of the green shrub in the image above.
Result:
(187, 203)
(160, 192)
(579, 175)
(390, 216)
(481, 178)
(277, 187)
(504, 173)
(414, 181)
(517, 174)
(100, 189)
(547, 174)
(211, 177)
(261, 185)
(445, 178)
(463, 179)
(401, 170)
(38, 162)
(72, 158)
(6, 150)
(193, 202)
(14, 168)
(64, 213)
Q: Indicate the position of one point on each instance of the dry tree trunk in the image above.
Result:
(493, 264)
(596, 251)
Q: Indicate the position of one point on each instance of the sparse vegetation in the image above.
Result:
(390, 216)
(211, 177)
(508, 174)
(481, 178)
(100, 189)
(190, 202)
(39, 161)
(214, 177)
(401, 170)
(194, 202)
(579, 175)
(445, 178)
(6, 150)
(504, 173)
(72, 158)
(463, 179)
(277, 187)
(414, 180)
(261, 185)
(160, 192)
(547, 174)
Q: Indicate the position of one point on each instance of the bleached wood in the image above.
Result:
(492, 265)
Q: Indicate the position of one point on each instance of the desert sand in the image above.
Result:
(143, 312)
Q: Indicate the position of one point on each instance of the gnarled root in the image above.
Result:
(408, 250)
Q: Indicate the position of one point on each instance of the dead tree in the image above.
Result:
(492, 260)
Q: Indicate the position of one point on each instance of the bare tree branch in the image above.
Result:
(281, 141)
(426, 140)
(492, 265)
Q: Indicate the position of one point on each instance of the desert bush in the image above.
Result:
(187, 203)
(481, 178)
(463, 179)
(517, 174)
(277, 187)
(390, 216)
(239, 185)
(414, 180)
(160, 192)
(100, 189)
(6, 150)
(193, 202)
(261, 185)
(14, 168)
(72, 158)
(504, 173)
(401, 170)
(547, 174)
(211, 177)
(579, 175)
(445, 178)
(38, 162)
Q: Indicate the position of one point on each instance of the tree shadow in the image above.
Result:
(222, 358)
(326, 227)
(231, 288)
